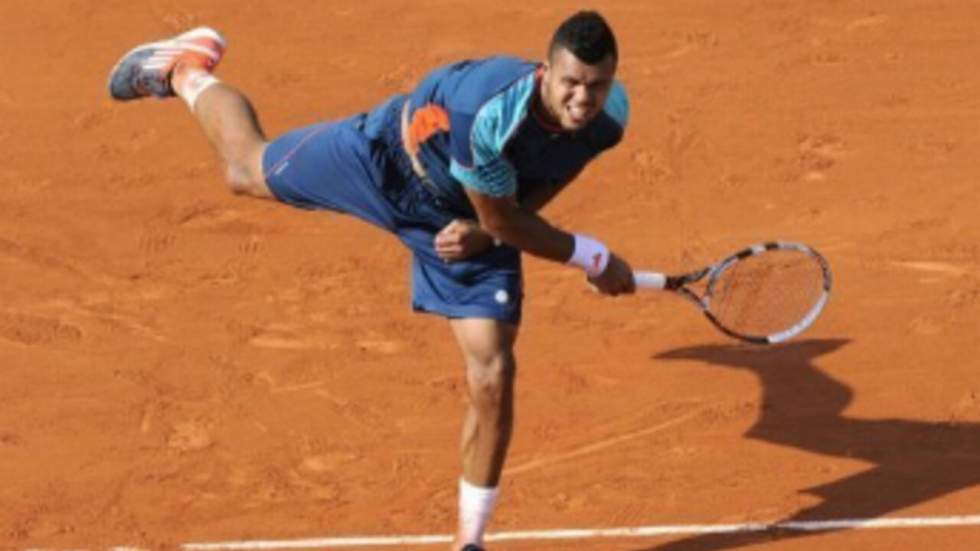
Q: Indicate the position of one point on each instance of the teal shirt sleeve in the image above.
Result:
(491, 174)
(617, 104)
(487, 170)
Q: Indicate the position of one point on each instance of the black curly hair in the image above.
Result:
(587, 35)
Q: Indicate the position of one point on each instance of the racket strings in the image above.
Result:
(767, 293)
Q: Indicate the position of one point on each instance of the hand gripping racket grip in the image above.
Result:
(650, 280)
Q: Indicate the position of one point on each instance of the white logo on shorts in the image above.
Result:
(501, 297)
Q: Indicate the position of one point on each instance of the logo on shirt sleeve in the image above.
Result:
(428, 120)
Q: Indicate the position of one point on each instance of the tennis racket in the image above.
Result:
(764, 294)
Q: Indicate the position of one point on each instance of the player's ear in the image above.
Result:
(545, 69)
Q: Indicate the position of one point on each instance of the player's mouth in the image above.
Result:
(578, 114)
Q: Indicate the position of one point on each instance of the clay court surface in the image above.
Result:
(181, 365)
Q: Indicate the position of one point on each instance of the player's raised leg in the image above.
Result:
(487, 347)
(182, 66)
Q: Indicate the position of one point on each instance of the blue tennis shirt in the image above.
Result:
(471, 124)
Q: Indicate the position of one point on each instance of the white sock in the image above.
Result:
(192, 83)
(475, 507)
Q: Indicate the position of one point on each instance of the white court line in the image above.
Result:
(639, 531)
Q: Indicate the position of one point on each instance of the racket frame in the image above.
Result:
(680, 284)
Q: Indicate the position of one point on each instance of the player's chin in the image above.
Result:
(571, 123)
(577, 119)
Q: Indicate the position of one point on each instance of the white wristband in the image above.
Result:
(590, 255)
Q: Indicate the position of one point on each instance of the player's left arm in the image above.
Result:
(464, 237)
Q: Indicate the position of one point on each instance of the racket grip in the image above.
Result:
(650, 280)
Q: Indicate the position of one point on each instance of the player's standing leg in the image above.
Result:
(181, 66)
(487, 347)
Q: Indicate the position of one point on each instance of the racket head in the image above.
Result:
(769, 292)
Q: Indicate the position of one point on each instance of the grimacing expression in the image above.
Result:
(574, 92)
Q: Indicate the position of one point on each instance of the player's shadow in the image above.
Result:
(912, 461)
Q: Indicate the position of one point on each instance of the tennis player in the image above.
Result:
(457, 169)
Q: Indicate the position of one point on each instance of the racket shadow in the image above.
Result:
(802, 407)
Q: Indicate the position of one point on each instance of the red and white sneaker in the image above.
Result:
(146, 69)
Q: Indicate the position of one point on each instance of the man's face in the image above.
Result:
(573, 91)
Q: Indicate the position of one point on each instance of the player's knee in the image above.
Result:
(244, 181)
(243, 169)
(491, 379)
(239, 182)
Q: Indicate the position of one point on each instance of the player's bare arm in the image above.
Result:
(463, 238)
(506, 220)
(541, 196)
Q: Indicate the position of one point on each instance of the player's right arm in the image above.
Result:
(505, 220)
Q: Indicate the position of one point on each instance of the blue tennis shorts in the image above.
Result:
(337, 166)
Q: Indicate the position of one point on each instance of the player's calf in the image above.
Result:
(231, 125)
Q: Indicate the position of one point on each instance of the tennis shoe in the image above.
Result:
(146, 70)
(472, 547)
